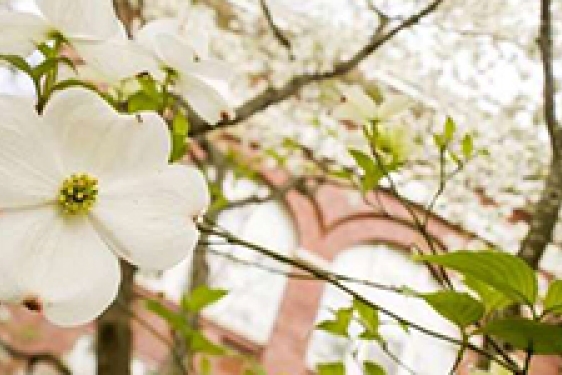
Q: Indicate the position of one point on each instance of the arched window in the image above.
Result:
(255, 294)
(416, 353)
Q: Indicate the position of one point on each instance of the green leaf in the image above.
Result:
(51, 64)
(438, 140)
(198, 343)
(523, 334)
(449, 130)
(553, 300)
(372, 173)
(202, 297)
(149, 87)
(180, 129)
(340, 324)
(372, 368)
(368, 317)
(491, 298)
(459, 308)
(503, 272)
(18, 63)
(72, 82)
(205, 366)
(334, 368)
(467, 146)
(141, 101)
(174, 319)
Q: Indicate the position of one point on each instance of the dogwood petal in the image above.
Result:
(162, 37)
(116, 59)
(20, 232)
(363, 103)
(211, 69)
(29, 169)
(58, 262)
(206, 100)
(94, 138)
(393, 105)
(174, 52)
(21, 32)
(345, 111)
(83, 278)
(83, 19)
(149, 222)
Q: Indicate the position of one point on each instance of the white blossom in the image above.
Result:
(82, 185)
(200, 80)
(359, 107)
(91, 27)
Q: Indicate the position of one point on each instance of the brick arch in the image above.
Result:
(328, 224)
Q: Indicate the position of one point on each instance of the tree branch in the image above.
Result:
(275, 95)
(549, 90)
(283, 40)
(548, 207)
(114, 345)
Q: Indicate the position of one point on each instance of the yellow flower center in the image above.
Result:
(78, 194)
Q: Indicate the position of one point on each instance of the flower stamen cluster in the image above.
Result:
(78, 194)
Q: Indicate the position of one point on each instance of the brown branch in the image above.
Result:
(283, 40)
(275, 95)
(114, 345)
(547, 209)
(33, 359)
(549, 90)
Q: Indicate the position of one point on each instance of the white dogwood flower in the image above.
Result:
(200, 80)
(91, 27)
(359, 107)
(81, 185)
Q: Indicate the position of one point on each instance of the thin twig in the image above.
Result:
(279, 35)
(321, 274)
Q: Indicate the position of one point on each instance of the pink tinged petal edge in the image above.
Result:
(59, 265)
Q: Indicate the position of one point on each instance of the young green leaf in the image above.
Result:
(174, 319)
(202, 297)
(467, 146)
(141, 101)
(553, 300)
(449, 130)
(523, 334)
(372, 173)
(339, 325)
(180, 129)
(372, 368)
(459, 308)
(503, 272)
(18, 63)
(149, 87)
(334, 368)
(198, 343)
(368, 317)
(51, 64)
